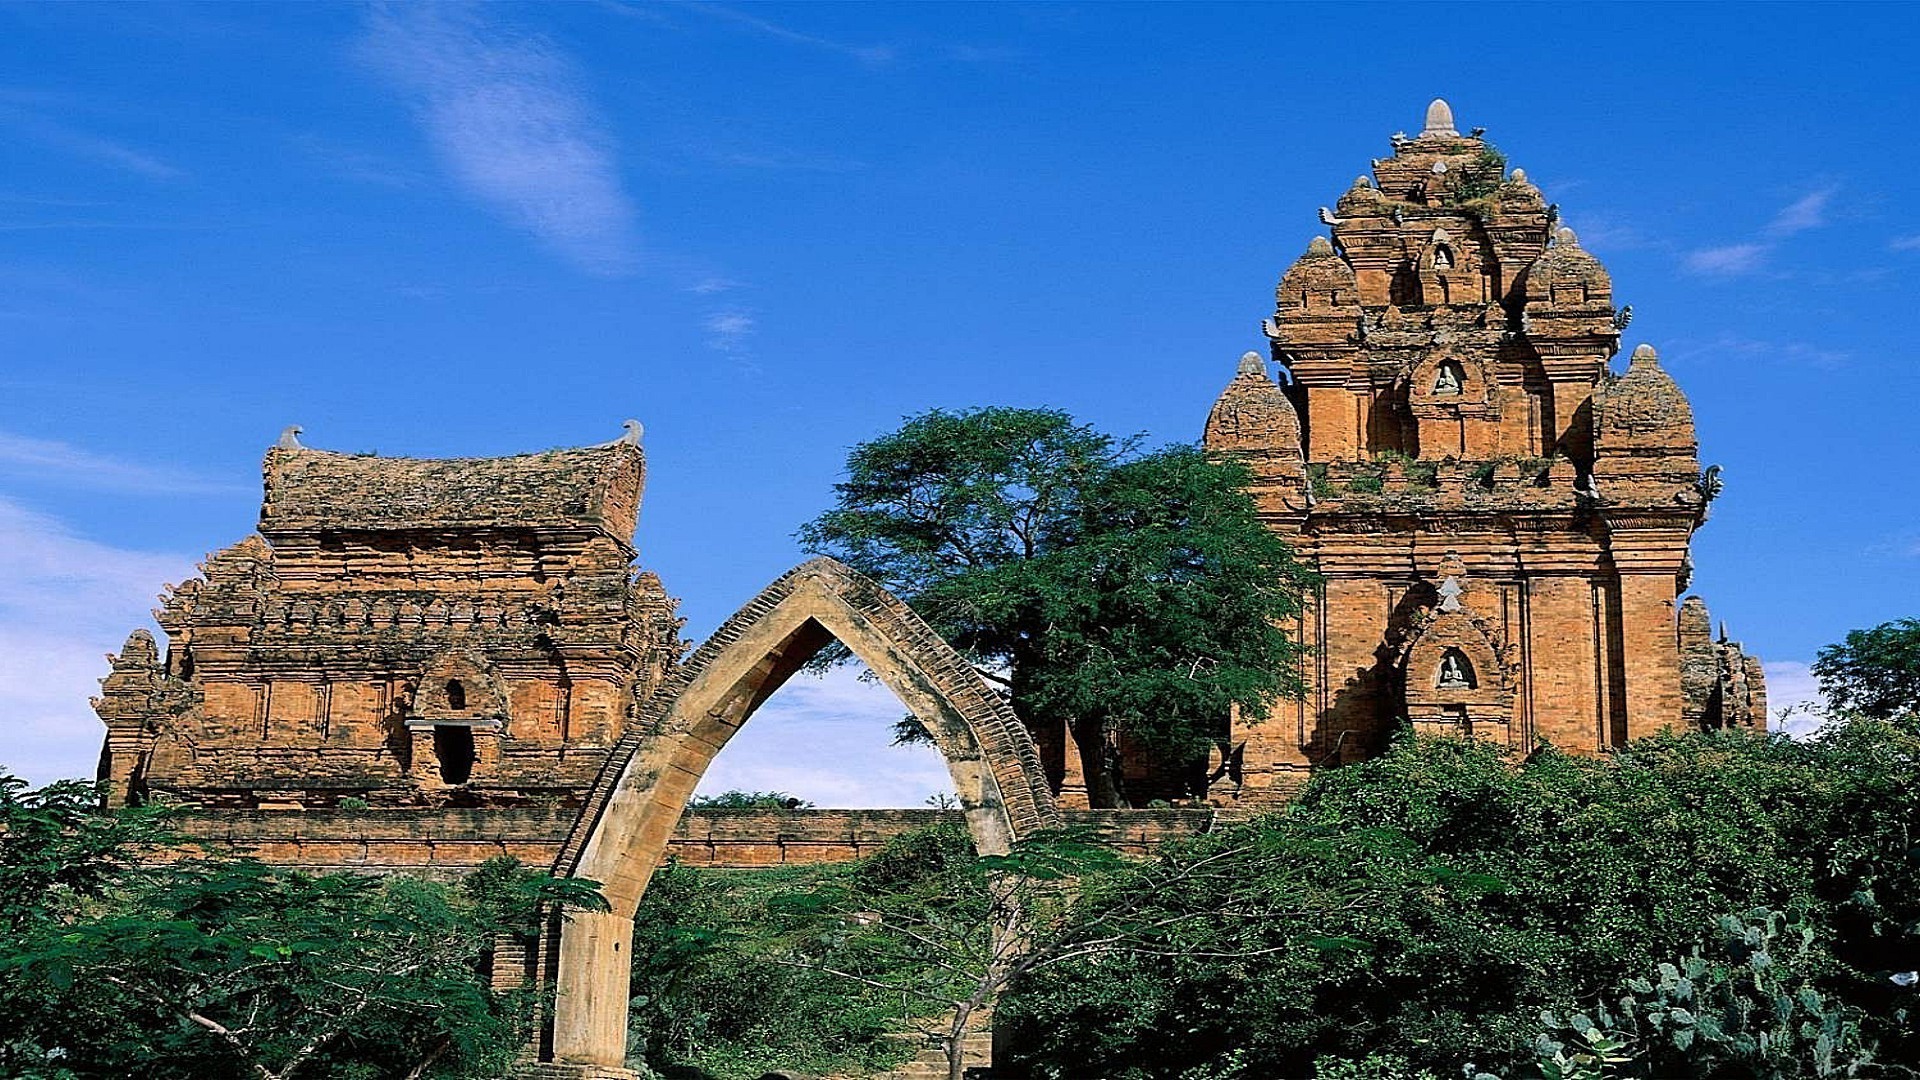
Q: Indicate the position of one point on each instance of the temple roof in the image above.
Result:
(314, 490)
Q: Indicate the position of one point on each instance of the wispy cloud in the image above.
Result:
(713, 285)
(76, 467)
(503, 113)
(32, 114)
(729, 330)
(866, 54)
(1728, 346)
(65, 601)
(828, 739)
(1807, 212)
(1729, 261)
(1905, 243)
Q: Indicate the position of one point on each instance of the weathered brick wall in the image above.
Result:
(452, 841)
(1453, 420)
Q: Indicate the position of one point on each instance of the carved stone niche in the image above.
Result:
(1456, 678)
(458, 713)
(1446, 385)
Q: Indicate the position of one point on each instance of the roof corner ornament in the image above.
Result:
(1624, 317)
(1328, 217)
(1710, 484)
(632, 437)
(1271, 328)
(1399, 140)
(290, 438)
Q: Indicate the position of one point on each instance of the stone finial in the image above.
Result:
(1644, 352)
(290, 438)
(632, 436)
(1251, 364)
(1320, 245)
(1518, 176)
(1564, 236)
(1363, 180)
(1440, 118)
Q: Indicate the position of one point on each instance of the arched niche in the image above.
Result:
(637, 801)
(1455, 677)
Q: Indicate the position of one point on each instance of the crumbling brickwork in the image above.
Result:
(401, 635)
(1502, 521)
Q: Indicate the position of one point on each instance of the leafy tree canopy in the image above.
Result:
(125, 954)
(1874, 672)
(1443, 906)
(1108, 590)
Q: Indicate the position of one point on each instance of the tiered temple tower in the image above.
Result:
(1501, 520)
(463, 636)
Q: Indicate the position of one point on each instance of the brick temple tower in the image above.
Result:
(1502, 521)
(460, 636)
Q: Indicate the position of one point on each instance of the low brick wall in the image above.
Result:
(452, 841)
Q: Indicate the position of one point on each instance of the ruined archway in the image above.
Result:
(639, 796)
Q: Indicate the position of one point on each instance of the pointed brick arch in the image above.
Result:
(637, 800)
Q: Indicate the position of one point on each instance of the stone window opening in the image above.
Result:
(1456, 672)
(456, 695)
(453, 747)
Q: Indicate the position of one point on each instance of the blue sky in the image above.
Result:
(770, 231)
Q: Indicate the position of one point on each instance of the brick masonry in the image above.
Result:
(1502, 520)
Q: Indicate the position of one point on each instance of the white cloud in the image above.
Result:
(1729, 261)
(729, 330)
(1807, 212)
(65, 602)
(1905, 243)
(73, 466)
(1793, 698)
(502, 112)
(827, 739)
(709, 286)
(866, 54)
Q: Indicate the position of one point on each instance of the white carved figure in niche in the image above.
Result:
(1453, 672)
(1450, 381)
(1443, 258)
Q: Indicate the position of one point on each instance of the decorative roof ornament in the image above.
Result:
(1518, 176)
(1251, 364)
(290, 438)
(1646, 353)
(1449, 591)
(632, 437)
(1327, 217)
(1439, 119)
(1625, 316)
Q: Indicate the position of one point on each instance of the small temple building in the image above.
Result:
(438, 656)
(1501, 519)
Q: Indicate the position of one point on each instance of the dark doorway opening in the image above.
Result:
(453, 746)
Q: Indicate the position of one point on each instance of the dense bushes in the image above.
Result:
(1426, 907)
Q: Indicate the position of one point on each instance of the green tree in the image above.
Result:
(1427, 905)
(1874, 673)
(125, 955)
(1115, 594)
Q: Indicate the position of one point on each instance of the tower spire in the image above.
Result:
(1439, 118)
